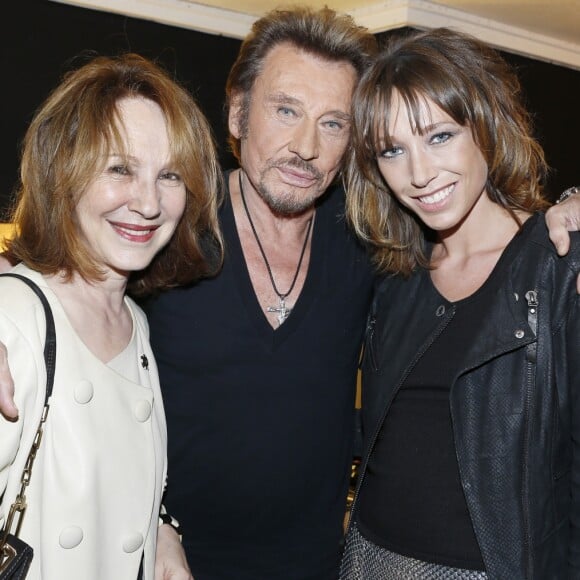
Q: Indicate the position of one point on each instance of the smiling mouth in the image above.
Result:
(438, 196)
(133, 232)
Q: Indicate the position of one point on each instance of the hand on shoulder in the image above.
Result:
(564, 217)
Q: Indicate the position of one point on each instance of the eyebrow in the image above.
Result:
(286, 99)
(122, 156)
(434, 126)
(340, 115)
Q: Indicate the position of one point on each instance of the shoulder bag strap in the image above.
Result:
(19, 506)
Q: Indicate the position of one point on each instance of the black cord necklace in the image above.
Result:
(281, 310)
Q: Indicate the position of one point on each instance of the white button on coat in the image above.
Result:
(142, 411)
(83, 392)
(132, 542)
(70, 537)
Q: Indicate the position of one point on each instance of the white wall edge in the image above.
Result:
(425, 15)
(385, 15)
(176, 13)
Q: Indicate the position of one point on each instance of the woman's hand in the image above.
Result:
(170, 560)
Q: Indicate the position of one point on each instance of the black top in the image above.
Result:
(412, 502)
(260, 421)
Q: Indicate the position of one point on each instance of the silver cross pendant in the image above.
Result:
(282, 311)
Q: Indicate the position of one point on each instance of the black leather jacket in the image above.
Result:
(515, 405)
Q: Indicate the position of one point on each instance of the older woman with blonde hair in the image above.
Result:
(119, 189)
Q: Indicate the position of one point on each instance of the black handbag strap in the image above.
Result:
(19, 505)
(50, 341)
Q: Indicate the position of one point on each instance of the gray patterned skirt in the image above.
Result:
(364, 560)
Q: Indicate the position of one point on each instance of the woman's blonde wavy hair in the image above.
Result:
(64, 149)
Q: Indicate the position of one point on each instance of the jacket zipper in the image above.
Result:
(370, 341)
(531, 357)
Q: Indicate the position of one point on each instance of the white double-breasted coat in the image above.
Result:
(96, 485)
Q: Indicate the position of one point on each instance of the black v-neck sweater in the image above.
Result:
(260, 420)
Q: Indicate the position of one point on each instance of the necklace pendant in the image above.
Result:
(281, 310)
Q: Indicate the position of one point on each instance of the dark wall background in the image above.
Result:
(42, 39)
(553, 95)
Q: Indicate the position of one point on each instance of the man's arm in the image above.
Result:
(563, 217)
(170, 560)
(7, 406)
